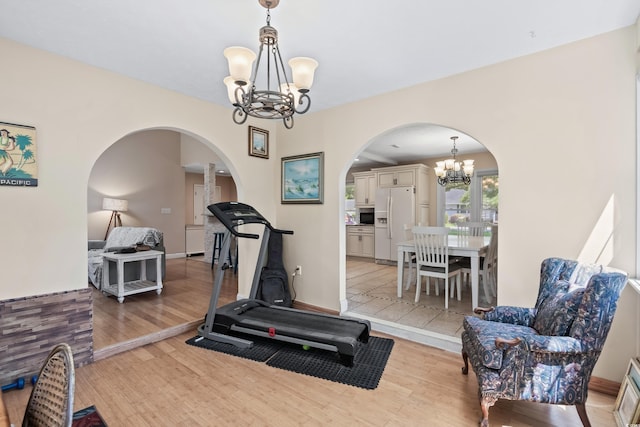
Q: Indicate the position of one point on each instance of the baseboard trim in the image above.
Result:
(121, 347)
(604, 386)
(308, 307)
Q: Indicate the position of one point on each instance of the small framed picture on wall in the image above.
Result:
(258, 142)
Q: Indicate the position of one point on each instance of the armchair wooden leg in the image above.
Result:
(485, 403)
(465, 358)
(582, 412)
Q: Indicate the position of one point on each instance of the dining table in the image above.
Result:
(473, 247)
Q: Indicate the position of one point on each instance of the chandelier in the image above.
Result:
(451, 171)
(281, 98)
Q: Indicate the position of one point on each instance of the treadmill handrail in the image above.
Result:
(246, 215)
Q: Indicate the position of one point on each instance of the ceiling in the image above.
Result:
(364, 47)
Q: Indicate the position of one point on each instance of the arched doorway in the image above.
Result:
(153, 170)
(371, 282)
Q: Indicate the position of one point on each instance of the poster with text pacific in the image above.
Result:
(18, 160)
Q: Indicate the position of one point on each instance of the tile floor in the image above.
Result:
(372, 291)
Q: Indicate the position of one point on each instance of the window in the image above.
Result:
(350, 204)
(477, 201)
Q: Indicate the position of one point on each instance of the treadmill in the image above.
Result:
(237, 322)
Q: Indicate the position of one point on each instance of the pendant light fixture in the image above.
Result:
(281, 98)
(451, 171)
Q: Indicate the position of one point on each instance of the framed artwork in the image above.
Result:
(627, 409)
(303, 178)
(258, 142)
(18, 161)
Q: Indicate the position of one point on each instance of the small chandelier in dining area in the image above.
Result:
(451, 171)
(281, 98)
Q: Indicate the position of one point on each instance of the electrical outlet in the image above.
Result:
(299, 270)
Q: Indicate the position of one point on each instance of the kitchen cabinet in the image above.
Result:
(396, 178)
(402, 176)
(365, 188)
(360, 241)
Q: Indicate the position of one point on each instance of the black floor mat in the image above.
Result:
(368, 363)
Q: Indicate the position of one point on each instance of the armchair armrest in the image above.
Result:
(96, 244)
(508, 314)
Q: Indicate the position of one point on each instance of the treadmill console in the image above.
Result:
(233, 214)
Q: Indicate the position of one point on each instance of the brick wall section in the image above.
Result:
(30, 327)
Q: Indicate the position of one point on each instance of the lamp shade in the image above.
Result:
(287, 88)
(302, 70)
(231, 88)
(240, 62)
(115, 204)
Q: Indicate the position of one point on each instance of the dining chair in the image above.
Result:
(469, 228)
(51, 400)
(432, 260)
(488, 267)
(408, 235)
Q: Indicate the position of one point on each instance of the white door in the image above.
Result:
(198, 204)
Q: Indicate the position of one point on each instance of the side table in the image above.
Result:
(122, 288)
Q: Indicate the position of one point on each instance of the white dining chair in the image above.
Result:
(408, 235)
(469, 228)
(488, 267)
(432, 260)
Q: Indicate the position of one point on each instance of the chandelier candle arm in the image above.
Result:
(281, 98)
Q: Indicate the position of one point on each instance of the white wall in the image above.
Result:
(561, 125)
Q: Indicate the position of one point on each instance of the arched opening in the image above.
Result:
(160, 173)
(405, 157)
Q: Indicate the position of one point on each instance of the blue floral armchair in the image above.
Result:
(544, 354)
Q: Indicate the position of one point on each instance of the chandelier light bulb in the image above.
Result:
(240, 61)
(302, 71)
(231, 85)
(287, 88)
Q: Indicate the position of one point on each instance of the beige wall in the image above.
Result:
(79, 112)
(561, 126)
(143, 168)
(570, 110)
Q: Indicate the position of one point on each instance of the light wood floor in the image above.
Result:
(170, 383)
(184, 299)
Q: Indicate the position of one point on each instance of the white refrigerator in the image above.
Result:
(394, 208)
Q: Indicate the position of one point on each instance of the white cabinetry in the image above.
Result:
(365, 188)
(402, 176)
(360, 241)
(393, 177)
(194, 239)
